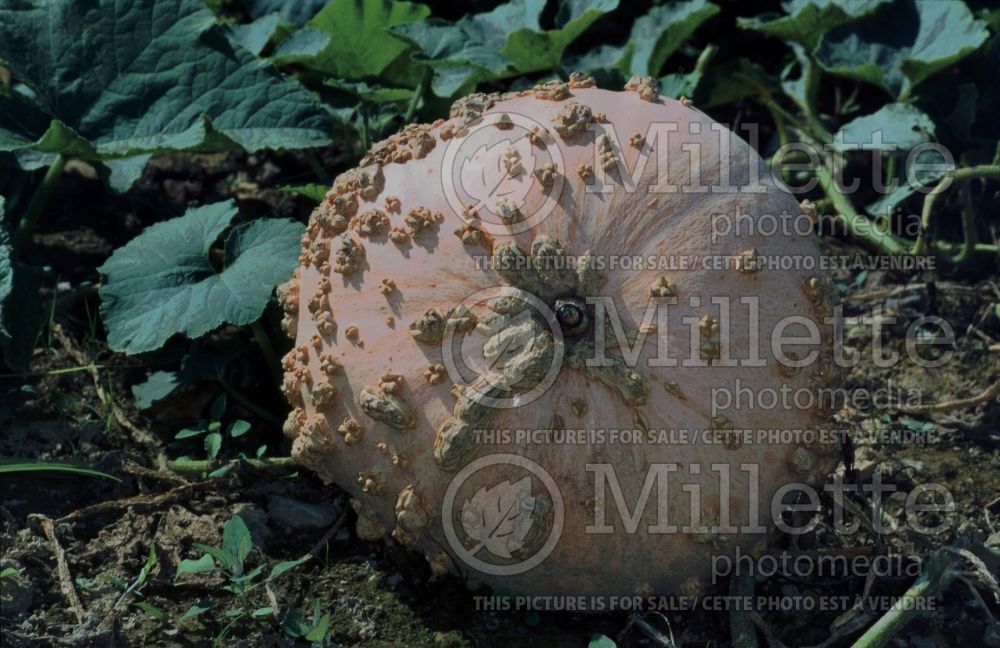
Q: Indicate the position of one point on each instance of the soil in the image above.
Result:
(377, 594)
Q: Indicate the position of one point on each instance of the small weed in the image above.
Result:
(134, 589)
(213, 435)
(315, 630)
(244, 586)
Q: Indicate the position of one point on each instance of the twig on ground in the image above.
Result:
(150, 473)
(139, 501)
(62, 569)
(332, 531)
(273, 600)
(949, 405)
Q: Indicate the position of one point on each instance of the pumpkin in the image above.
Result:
(454, 290)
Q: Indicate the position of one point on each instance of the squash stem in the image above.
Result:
(418, 93)
(931, 583)
(38, 202)
(983, 171)
(198, 467)
(857, 226)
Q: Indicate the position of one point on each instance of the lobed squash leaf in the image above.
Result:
(658, 34)
(254, 36)
(139, 77)
(894, 127)
(805, 21)
(902, 44)
(654, 38)
(499, 43)
(295, 12)
(358, 43)
(530, 50)
(163, 282)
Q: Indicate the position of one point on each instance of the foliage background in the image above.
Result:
(152, 154)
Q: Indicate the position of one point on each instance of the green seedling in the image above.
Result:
(314, 630)
(244, 586)
(212, 432)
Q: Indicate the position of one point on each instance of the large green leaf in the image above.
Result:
(893, 127)
(660, 32)
(360, 45)
(730, 81)
(653, 39)
(23, 125)
(144, 76)
(805, 21)
(296, 12)
(902, 44)
(474, 40)
(163, 282)
(604, 63)
(500, 43)
(530, 50)
(21, 312)
(123, 172)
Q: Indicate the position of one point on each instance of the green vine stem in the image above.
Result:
(198, 467)
(813, 73)
(411, 108)
(38, 201)
(983, 171)
(706, 56)
(364, 134)
(267, 350)
(931, 583)
(861, 229)
(890, 168)
(968, 227)
(317, 167)
(858, 227)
